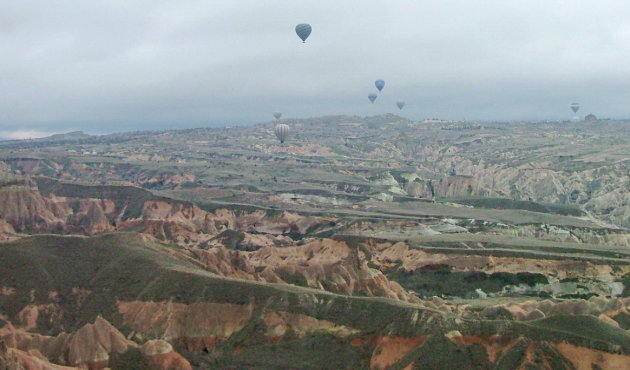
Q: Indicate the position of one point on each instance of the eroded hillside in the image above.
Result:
(394, 244)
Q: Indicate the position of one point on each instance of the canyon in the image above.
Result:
(421, 246)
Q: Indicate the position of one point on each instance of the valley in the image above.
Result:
(391, 243)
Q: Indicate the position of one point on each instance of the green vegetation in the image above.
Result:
(438, 352)
(504, 203)
(572, 328)
(314, 351)
(132, 359)
(435, 280)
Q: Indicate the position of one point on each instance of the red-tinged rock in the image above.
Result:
(159, 355)
(495, 345)
(584, 358)
(28, 209)
(90, 347)
(390, 350)
(93, 343)
(362, 341)
(20, 360)
(198, 326)
(6, 230)
(327, 263)
(50, 347)
(279, 323)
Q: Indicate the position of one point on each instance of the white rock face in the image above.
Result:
(481, 294)
(156, 347)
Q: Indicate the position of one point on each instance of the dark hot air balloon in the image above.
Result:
(303, 30)
(380, 84)
(575, 107)
(400, 104)
(372, 97)
(277, 115)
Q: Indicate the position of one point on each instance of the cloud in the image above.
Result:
(125, 65)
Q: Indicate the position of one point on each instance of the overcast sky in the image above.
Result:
(118, 65)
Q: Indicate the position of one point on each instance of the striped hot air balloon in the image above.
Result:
(282, 132)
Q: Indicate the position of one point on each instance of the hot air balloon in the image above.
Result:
(282, 132)
(400, 104)
(372, 97)
(380, 84)
(303, 30)
(277, 115)
(575, 107)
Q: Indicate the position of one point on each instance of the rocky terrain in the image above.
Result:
(391, 243)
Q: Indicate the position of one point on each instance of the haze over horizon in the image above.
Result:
(124, 66)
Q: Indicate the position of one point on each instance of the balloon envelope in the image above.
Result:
(282, 132)
(575, 107)
(372, 97)
(400, 104)
(380, 84)
(303, 30)
(277, 115)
